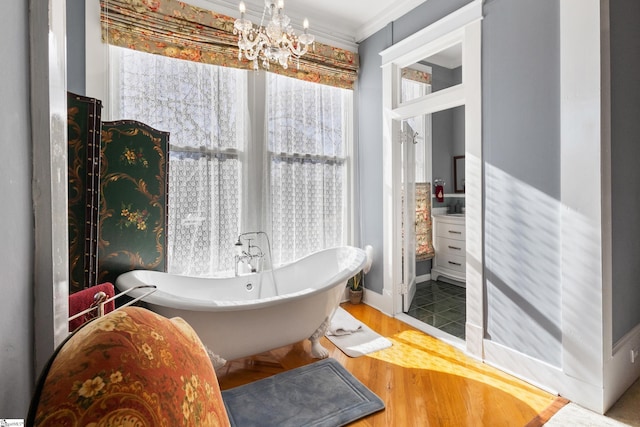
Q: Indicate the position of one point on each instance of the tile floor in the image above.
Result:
(442, 305)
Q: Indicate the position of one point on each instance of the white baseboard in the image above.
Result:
(543, 375)
(423, 278)
(379, 302)
(474, 340)
(345, 295)
(620, 371)
(430, 330)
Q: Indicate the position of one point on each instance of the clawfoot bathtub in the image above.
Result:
(250, 314)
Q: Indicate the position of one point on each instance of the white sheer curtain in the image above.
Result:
(204, 109)
(308, 133)
(290, 180)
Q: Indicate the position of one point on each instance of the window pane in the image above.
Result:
(306, 138)
(200, 104)
(440, 71)
(412, 89)
(304, 117)
(203, 214)
(203, 107)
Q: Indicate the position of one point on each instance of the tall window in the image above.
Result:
(301, 157)
(307, 133)
(204, 109)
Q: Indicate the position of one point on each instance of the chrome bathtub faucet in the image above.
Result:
(252, 256)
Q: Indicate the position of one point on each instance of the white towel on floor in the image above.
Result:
(342, 323)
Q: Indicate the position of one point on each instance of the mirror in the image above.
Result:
(417, 132)
(448, 142)
(416, 82)
(436, 72)
(458, 174)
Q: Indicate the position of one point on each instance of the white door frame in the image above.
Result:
(462, 26)
(47, 22)
(407, 143)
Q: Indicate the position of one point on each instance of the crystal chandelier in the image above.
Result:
(274, 43)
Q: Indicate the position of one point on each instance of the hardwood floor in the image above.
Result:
(423, 381)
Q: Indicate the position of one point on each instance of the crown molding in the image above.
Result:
(390, 14)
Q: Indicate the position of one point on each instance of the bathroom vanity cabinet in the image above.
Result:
(450, 246)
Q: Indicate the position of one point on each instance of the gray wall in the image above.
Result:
(521, 146)
(76, 80)
(369, 140)
(16, 227)
(447, 126)
(458, 132)
(625, 152)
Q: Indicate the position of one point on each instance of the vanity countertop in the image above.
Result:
(460, 216)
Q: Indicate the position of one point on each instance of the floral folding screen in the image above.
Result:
(83, 131)
(133, 199)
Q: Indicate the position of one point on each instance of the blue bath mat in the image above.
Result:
(322, 394)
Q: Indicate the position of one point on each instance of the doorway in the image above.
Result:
(434, 238)
(456, 38)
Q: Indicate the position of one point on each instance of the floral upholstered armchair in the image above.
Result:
(131, 367)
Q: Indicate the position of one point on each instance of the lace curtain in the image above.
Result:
(204, 109)
(307, 140)
(221, 183)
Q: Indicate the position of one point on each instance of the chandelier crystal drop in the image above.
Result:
(275, 42)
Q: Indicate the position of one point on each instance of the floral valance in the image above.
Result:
(416, 75)
(179, 30)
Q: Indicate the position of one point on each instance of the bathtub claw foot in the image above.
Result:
(317, 350)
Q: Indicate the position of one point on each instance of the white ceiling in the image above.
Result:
(343, 23)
